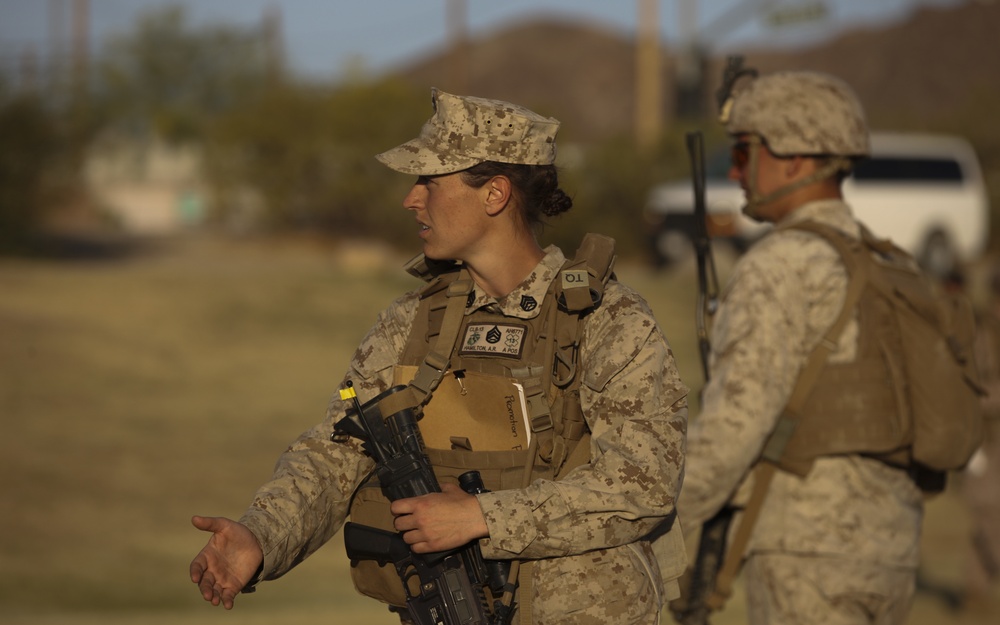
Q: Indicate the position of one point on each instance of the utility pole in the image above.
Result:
(274, 43)
(690, 74)
(28, 82)
(81, 38)
(81, 61)
(648, 76)
(81, 41)
(457, 27)
(691, 79)
(57, 45)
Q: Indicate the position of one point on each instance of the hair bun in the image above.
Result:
(556, 203)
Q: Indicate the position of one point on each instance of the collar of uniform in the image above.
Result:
(533, 287)
(834, 212)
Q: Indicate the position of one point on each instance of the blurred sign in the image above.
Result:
(797, 14)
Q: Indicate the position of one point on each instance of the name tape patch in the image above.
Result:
(493, 339)
(575, 279)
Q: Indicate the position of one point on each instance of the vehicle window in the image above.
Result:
(901, 169)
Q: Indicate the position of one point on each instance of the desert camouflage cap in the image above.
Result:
(465, 131)
(801, 113)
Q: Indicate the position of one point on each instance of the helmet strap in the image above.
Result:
(755, 199)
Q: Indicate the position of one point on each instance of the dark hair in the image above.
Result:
(536, 188)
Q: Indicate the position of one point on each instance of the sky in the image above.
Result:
(322, 38)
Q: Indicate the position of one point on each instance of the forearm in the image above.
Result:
(306, 501)
(614, 501)
(308, 497)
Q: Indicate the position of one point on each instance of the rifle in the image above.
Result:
(708, 280)
(693, 608)
(443, 588)
(698, 600)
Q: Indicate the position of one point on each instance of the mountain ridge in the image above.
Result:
(937, 62)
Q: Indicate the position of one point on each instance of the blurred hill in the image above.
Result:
(579, 72)
(284, 155)
(935, 64)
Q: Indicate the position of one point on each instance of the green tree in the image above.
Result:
(27, 152)
(171, 80)
(611, 184)
(307, 154)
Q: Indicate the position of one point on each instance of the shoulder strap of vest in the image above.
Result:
(855, 258)
(582, 280)
(578, 290)
(853, 255)
(435, 363)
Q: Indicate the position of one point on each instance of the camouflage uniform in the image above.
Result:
(852, 512)
(586, 531)
(839, 545)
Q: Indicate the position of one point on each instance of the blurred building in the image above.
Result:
(147, 187)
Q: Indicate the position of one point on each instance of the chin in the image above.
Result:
(432, 255)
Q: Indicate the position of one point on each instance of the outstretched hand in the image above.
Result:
(227, 562)
(439, 521)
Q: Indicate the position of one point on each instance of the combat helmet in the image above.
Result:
(805, 113)
(798, 113)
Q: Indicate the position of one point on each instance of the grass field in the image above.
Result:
(136, 392)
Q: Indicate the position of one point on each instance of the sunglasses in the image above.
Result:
(739, 154)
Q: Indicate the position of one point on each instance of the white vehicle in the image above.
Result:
(925, 192)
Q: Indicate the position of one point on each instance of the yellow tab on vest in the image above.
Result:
(493, 339)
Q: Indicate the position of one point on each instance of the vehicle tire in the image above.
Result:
(937, 255)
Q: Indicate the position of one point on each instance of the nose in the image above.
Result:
(415, 198)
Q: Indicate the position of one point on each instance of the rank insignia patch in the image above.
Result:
(493, 339)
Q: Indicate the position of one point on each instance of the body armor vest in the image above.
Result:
(856, 407)
(506, 380)
(911, 398)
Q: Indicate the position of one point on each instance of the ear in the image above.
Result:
(795, 165)
(499, 192)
